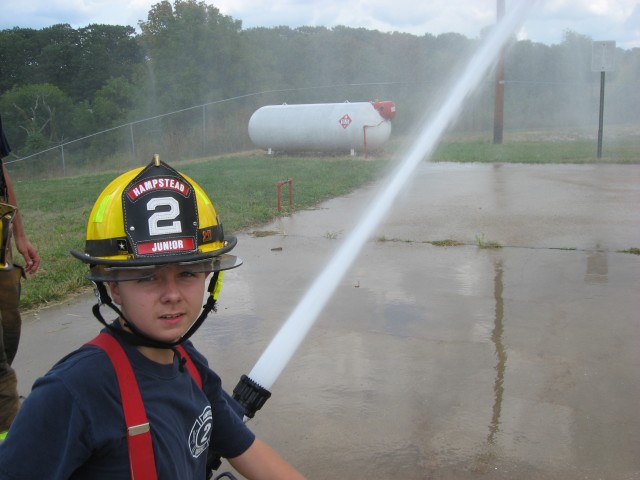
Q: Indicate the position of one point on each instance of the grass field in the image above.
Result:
(243, 189)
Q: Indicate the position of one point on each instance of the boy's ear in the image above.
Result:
(114, 289)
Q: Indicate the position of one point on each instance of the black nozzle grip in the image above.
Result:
(250, 395)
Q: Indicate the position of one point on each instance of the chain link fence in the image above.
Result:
(220, 127)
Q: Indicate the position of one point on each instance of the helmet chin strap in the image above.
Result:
(136, 337)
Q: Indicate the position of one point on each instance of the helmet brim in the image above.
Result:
(225, 262)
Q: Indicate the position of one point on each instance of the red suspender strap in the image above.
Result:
(141, 459)
(195, 374)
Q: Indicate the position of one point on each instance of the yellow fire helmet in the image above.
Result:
(6, 217)
(153, 216)
(145, 219)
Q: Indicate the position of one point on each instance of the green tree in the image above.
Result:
(105, 52)
(113, 103)
(79, 62)
(191, 51)
(622, 94)
(19, 51)
(37, 116)
(278, 58)
(83, 119)
(58, 61)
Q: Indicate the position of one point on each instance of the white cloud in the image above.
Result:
(600, 19)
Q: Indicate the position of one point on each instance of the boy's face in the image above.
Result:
(164, 304)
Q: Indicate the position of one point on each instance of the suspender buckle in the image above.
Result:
(138, 429)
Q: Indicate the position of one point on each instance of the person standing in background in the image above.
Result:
(10, 278)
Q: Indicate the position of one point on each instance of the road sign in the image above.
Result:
(602, 56)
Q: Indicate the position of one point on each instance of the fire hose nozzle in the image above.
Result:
(250, 395)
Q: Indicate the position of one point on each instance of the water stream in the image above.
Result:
(278, 353)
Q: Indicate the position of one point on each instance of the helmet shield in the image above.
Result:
(160, 214)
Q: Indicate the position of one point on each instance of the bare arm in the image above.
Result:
(28, 251)
(261, 462)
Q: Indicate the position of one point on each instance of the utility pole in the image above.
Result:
(498, 109)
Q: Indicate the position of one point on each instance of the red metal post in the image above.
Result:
(290, 183)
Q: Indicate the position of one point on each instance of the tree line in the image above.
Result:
(60, 83)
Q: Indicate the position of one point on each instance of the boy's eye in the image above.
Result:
(148, 278)
(187, 274)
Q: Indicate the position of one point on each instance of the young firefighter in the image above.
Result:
(10, 278)
(153, 237)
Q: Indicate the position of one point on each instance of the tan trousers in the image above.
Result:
(10, 324)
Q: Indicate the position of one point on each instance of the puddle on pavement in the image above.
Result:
(487, 373)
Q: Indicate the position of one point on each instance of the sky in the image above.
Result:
(617, 20)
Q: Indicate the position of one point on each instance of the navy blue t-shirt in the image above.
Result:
(72, 425)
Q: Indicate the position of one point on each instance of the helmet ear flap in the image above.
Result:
(217, 285)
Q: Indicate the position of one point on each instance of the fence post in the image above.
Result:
(204, 130)
(64, 168)
(133, 143)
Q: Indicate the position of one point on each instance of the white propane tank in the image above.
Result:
(322, 127)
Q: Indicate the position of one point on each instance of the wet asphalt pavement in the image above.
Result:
(438, 362)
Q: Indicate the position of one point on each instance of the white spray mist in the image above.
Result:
(278, 353)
